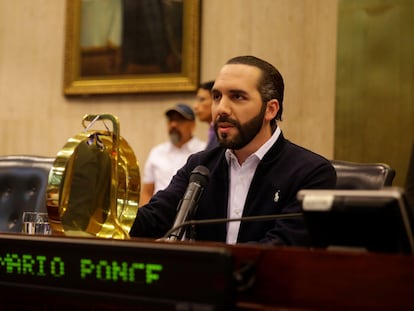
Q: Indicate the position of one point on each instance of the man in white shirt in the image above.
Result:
(165, 159)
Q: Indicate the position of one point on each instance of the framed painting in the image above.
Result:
(131, 46)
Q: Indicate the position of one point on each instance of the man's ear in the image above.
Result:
(272, 109)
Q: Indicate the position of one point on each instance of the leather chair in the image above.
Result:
(354, 175)
(409, 180)
(23, 184)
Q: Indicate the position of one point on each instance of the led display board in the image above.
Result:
(172, 275)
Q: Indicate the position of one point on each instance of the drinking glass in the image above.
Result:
(36, 223)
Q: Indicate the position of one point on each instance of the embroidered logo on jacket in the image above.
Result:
(276, 198)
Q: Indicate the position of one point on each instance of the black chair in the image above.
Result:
(354, 175)
(409, 180)
(23, 184)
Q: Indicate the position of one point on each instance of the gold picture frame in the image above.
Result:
(94, 64)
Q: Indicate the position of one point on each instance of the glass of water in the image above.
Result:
(36, 223)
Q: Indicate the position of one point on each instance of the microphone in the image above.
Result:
(187, 206)
(215, 221)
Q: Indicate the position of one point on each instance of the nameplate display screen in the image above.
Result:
(171, 274)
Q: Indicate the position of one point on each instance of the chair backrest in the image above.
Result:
(409, 179)
(23, 185)
(354, 175)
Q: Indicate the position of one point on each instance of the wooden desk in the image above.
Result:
(300, 279)
(281, 278)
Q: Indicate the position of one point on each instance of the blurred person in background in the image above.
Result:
(202, 109)
(166, 158)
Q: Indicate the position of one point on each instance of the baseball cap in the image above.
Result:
(183, 110)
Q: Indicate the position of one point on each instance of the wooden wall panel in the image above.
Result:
(375, 83)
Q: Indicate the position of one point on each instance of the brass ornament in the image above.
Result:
(94, 184)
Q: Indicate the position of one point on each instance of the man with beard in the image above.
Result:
(255, 172)
(165, 159)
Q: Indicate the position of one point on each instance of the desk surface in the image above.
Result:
(269, 278)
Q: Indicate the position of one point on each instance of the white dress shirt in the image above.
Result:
(165, 159)
(240, 180)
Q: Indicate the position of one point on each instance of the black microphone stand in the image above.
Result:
(224, 220)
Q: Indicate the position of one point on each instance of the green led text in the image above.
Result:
(26, 264)
(123, 271)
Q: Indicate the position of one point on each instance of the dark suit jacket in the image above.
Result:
(285, 169)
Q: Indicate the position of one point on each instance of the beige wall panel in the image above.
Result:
(298, 36)
(226, 28)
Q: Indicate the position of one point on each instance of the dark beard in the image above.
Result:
(247, 131)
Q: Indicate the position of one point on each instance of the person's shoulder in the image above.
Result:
(161, 148)
(206, 156)
(196, 144)
(301, 153)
